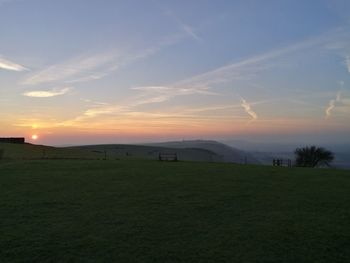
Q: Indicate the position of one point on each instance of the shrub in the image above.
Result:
(313, 156)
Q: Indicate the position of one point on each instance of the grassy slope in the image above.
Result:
(150, 152)
(147, 211)
(32, 151)
(228, 153)
(113, 151)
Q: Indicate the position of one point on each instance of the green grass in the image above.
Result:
(148, 211)
(33, 151)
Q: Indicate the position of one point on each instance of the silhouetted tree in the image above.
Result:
(313, 156)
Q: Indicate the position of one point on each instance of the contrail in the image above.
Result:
(248, 109)
(331, 105)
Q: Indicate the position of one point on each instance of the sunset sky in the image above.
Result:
(83, 72)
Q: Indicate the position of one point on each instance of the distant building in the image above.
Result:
(12, 140)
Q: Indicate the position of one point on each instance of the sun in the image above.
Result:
(35, 137)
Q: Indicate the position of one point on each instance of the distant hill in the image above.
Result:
(266, 152)
(227, 153)
(109, 151)
(118, 151)
(205, 151)
(195, 150)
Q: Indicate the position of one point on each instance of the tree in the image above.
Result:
(313, 156)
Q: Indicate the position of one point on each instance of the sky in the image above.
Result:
(89, 71)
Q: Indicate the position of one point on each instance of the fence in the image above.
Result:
(282, 162)
(168, 157)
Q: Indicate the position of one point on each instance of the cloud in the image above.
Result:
(149, 95)
(249, 67)
(97, 66)
(190, 31)
(329, 108)
(200, 84)
(81, 67)
(87, 78)
(185, 27)
(9, 65)
(157, 94)
(332, 104)
(197, 84)
(152, 88)
(246, 106)
(47, 93)
(93, 112)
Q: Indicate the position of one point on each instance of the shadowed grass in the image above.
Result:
(147, 211)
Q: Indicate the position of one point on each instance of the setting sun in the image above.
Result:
(34, 137)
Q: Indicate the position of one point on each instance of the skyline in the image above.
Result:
(86, 72)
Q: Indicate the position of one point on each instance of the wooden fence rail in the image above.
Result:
(168, 157)
(282, 162)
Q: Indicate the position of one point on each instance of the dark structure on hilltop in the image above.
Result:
(12, 140)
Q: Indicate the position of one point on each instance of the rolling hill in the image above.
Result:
(197, 150)
(226, 153)
(109, 151)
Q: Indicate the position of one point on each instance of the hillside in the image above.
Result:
(266, 152)
(122, 151)
(33, 151)
(110, 151)
(227, 153)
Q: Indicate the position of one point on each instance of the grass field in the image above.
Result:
(149, 211)
(108, 151)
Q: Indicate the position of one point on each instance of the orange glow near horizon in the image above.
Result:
(150, 128)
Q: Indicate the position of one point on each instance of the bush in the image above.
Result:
(313, 157)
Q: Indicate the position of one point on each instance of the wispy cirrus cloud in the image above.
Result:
(10, 65)
(201, 83)
(93, 67)
(151, 93)
(332, 104)
(248, 109)
(47, 93)
(247, 68)
(189, 30)
(86, 67)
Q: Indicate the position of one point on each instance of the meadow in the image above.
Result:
(151, 211)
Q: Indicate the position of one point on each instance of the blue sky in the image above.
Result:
(131, 71)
